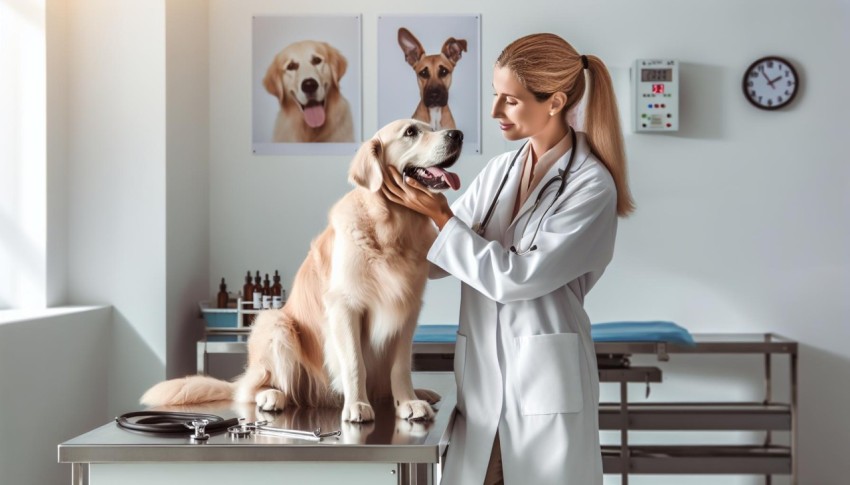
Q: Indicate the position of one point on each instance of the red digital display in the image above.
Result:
(657, 89)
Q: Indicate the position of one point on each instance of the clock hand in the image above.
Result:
(765, 76)
(771, 82)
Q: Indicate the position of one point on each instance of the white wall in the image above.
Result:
(54, 388)
(187, 179)
(116, 179)
(56, 33)
(742, 216)
(137, 181)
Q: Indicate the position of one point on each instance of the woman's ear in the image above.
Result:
(557, 102)
(365, 168)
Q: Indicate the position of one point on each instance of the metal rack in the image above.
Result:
(226, 340)
(768, 415)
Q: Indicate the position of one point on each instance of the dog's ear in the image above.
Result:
(337, 61)
(273, 81)
(365, 169)
(452, 48)
(410, 45)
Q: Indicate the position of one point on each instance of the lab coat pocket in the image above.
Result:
(460, 368)
(549, 376)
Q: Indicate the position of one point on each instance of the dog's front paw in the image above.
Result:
(414, 411)
(271, 400)
(358, 412)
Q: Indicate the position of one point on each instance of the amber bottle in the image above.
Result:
(221, 300)
(257, 296)
(277, 292)
(247, 288)
(267, 293)
(247, 295)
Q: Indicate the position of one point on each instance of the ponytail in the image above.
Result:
(603, 132)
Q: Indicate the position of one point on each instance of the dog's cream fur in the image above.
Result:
(345, 335)
(295, 67)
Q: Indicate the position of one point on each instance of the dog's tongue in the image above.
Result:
(451, 178)
(314, 115)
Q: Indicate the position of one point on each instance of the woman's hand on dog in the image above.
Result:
(416, 197)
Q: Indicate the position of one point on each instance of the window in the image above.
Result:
(23, 197)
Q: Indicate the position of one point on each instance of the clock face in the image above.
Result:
(770, 83)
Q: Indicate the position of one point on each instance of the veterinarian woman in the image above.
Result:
(528, 387)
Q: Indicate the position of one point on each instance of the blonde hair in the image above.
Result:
(546, 64)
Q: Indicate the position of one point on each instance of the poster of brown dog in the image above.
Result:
(429, 69)
(306, 85)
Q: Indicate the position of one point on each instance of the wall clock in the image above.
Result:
(770, 83)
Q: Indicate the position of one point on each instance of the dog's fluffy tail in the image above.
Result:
(188, 390)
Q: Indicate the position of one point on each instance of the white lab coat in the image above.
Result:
(524, 361)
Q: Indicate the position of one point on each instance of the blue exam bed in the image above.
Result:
(625, 331)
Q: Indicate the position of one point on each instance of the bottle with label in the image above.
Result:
(258, 292)
(267, 294)
(247, 296)
(277, 292)
(221, 300)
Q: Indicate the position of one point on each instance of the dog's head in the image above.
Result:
(433, 72)
(305, 73)
(415, 150)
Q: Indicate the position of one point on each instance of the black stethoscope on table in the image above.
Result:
(560, 178)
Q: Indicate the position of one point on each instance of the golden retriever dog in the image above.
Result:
(304, 77)
(345, 336)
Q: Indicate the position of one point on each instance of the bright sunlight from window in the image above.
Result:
(22, 154)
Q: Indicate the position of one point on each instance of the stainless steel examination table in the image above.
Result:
(388, 451)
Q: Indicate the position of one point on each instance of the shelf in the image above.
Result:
(703, 460)
(698, 416)
(630, 374)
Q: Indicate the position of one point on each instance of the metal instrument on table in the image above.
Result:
(263, 428)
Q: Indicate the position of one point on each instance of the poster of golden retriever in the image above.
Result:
(429, 69)
(306, 85)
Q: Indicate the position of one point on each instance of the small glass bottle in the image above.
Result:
(267, 294)
(257, 296)
(247, 297)
(277, 292)
(221, 300)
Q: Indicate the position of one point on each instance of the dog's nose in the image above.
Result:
(309, 86)
(455, 135)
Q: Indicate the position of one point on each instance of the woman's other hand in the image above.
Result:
(413, 195)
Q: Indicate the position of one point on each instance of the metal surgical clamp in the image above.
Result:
(262, 428)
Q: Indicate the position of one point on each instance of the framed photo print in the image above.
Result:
(306, 85)
(429, 68)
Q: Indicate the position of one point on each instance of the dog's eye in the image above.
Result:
(424, 73)
(315, 61)
(292, 66)
(443, 72)
(411, 131)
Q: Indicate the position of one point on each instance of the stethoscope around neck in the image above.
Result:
(561, 178)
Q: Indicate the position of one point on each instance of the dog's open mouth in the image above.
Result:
(436, 177)
(314, 113)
